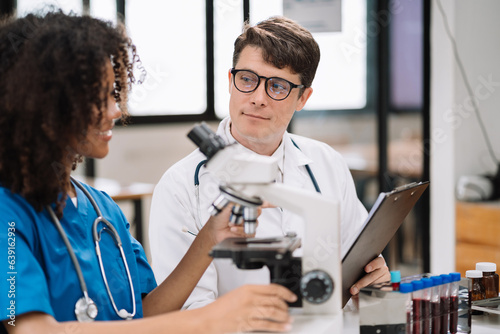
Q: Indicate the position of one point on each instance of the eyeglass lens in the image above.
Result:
(247, 82)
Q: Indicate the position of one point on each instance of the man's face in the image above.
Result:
(257, 121)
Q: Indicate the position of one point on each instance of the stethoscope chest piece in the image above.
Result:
(124, 314)
(85, 310)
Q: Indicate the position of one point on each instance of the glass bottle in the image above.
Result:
(476, 287)
(490, 278)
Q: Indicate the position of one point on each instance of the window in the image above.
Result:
(406, 36)
(176, 50)
(228, 22)
(171, 43)
(104, 9)
(27, 6)
(340, 81)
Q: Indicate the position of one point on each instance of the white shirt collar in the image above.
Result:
(295, 155)
(225, 127)
(280, 155)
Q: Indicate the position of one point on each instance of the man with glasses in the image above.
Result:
(274, 64)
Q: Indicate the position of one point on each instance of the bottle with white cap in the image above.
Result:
(476, 288)
(490, 278)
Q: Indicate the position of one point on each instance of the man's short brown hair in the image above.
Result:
(284, 44)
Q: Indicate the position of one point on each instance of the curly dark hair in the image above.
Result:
(52, 67)
(284, 43)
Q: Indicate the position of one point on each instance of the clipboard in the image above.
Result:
(385, 218)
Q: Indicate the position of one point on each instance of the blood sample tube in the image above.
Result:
(395, 280)
(454, 285)
(435, 304)
(445, 302)
(416, 297)
(408, 289)
(426, 305)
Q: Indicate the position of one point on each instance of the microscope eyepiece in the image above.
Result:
(208, 142)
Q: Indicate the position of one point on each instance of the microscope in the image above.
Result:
(246, 180)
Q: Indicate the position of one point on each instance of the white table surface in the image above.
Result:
(348, 323)
(485, 324)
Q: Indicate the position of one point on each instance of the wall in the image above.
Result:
(143, 153)
(457, 144)
(478, 44)
(442, 223)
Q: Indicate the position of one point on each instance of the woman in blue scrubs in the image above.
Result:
(63, 81)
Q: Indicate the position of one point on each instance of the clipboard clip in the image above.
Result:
(406, 186)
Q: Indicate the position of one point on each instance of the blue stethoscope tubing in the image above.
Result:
(309, 171)
(85, 308)
(203, 162)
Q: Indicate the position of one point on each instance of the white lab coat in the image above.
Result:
(175, 207)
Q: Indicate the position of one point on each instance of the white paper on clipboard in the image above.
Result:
(385, 217)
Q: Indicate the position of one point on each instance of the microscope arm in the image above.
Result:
(321, 242)
(307, 204)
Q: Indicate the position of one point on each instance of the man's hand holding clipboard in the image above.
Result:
(384, 219)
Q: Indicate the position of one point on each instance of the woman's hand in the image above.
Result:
(251, 308)
(376, 271)
(219, 227)
(181, 282)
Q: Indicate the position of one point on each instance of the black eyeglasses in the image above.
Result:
(276, 88)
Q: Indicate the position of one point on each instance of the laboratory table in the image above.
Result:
(348, 322)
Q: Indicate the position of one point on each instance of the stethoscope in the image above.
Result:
(85, 308)
(197, 187)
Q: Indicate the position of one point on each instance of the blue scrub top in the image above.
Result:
(39, 274)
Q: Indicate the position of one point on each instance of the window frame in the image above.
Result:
(8, 6)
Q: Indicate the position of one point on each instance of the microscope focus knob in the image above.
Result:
(316, 286)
